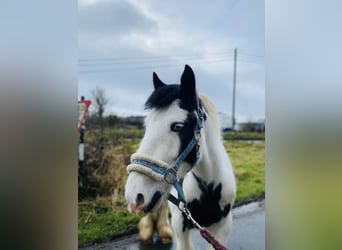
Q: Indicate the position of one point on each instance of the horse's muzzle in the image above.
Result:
(141, 208)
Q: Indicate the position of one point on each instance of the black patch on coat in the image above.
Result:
(186, 135)
(206, 210)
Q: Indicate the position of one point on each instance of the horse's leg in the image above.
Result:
(221, 231)
(146, 228)
(182, 238)
(164, 229)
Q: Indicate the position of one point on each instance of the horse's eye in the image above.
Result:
(177, 126)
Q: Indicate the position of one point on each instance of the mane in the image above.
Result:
(209, 106)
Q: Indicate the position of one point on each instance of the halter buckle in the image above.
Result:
(170, 176)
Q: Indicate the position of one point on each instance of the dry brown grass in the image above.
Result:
(105, 166)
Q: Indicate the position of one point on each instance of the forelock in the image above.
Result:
(163, 96)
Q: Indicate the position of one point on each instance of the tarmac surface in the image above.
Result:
(248, 233)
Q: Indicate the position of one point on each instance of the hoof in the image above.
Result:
(146, 242)
(165, 234)
(166, 240)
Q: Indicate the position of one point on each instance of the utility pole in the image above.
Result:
(234, 83)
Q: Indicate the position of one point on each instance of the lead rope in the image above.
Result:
(203, 231)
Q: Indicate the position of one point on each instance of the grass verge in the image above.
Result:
(99, 220)
(244, 136)
(248, 160)
(99, 224)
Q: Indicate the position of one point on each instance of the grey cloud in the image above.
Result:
(114, 18)
(121, 29)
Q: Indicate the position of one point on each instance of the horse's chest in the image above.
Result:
(204, 203)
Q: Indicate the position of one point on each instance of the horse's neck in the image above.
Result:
(213, 156)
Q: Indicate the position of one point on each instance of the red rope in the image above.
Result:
(208, 237)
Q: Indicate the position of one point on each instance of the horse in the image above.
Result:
(181, 158)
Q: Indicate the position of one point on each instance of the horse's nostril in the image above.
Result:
(140, 199)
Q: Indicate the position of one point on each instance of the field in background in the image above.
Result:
(102, 213)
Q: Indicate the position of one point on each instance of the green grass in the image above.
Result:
(100, 222)
(96, 224)
(244, 136)
(248, 160)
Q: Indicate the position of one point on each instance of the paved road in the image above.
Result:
(248, 233)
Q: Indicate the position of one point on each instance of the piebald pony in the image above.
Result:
(205, 175)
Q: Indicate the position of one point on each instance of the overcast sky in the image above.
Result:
(122, 42)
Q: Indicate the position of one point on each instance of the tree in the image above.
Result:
(100, 101)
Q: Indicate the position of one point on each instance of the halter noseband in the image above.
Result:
(161, 171)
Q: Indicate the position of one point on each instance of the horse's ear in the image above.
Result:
(157, 82)
(188, 88)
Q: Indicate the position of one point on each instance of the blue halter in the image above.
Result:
(170, 174)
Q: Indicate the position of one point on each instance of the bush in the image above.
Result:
(104, 170)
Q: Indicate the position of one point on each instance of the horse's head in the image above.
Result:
(170, 127)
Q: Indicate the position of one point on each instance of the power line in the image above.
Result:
(119, 59)
(109, 63)
(175, 64)
(100, 65)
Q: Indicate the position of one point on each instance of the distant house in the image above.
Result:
(258, 126)
(135, 120)
(226, 122)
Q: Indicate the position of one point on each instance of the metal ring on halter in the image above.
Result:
(170, 176)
